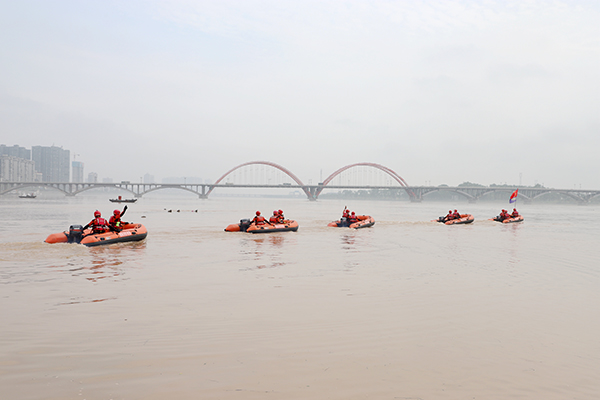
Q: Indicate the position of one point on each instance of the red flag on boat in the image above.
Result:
(513, 197)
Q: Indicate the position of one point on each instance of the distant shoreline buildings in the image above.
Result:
(40, 164)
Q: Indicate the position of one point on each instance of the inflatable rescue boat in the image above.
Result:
(464, 219)
(509, 220)
(246, 225)
(76, 234)
(364, 221)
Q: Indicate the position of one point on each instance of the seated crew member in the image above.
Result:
(281, 217)
(515, 213)
(449, 216)
(352, 219)
(275, 217)
(504, 215)
(258, 219)
(114, 222)
(456, 215)
(345, 215)
(98, 224)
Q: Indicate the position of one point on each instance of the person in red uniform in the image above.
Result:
(114, 222)
(98, 224)
(259, 219)
(515, 213)
(449, 217)
(352, 219)
(281, 217)
(456, 215)
(345, 214)
(504, 215)
(275, 217)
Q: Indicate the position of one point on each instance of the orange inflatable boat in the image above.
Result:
(364, 221)
(464, 219)
(76, 234)
(246, 225)
(509, 220)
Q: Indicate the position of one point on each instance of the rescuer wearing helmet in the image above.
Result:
(352, 219)
(98, 224)
(515, 213)
(258, 219)
(275, 217)
(114, 222)
(449, 216)
(456, 215)
(346, 214)
(281, 218)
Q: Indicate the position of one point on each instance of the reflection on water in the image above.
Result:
(265, 249)
(102, 262)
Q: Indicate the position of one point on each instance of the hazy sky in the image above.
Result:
(439, 91)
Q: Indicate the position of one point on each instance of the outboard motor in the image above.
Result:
(244, 224)
(75, 234)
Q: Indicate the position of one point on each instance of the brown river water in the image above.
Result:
(407, 309)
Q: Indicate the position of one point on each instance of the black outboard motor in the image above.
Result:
(244, 224)
(75, 234)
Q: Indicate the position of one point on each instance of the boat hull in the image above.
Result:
(364, 221)
(129, 233)
(246, 226)
(464, 219)
(510, 220)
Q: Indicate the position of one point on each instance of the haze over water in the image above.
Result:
(408, 309)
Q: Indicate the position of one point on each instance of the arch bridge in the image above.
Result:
(312, 192)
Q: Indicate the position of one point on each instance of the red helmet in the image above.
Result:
(275, 212)
(449, 211)
(514, 209)
(258, 213)
(117, 212)
(352, 213)
(455, 210)
(97, 214)
(280, 211)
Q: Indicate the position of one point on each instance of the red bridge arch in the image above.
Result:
(270, 164)
(387, 170)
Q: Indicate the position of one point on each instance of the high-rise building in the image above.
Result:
(92, 177)
(52, 162)
(77, 172)
(16, 169)
(15, 151)
(148, 178)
